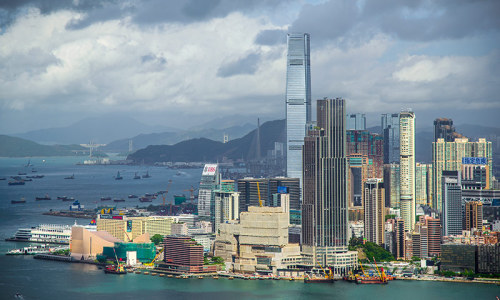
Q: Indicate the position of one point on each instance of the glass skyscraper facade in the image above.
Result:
(298, 100)
(390, 131)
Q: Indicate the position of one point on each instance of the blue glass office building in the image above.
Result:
(298, 100)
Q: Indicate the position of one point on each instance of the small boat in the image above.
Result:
(154, 274)
(33, 171)
(170, 276)
(62, 197)
(178, 276)
(319, 280)
(137, 272)
(29, 163)
(145, 199)
(46, 197)
(17, 182)
(178, 173)
(70, 177)
(119, 200)
(69, 199)
(146, 175)
(370, 280)
(21, 173)
(230, 278)
(18, 201)
(112, 269)
(161, 275)
(118, 176)
(200, 277)
(105, 198)
(3, 178)
(132, 196)
(137, 176)
(215, 277)
(38, 176)
(146, 273)
(28, 179)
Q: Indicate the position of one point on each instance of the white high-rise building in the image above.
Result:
(298, 100)
(407, 168)
(210, 180)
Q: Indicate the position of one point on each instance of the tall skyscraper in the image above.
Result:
(474, 215)
(452, 203)
(391, 184)
(356, 122)
(374, 210)
(407, 168)
(210, 180)
(423, 177)
(450, 155)
(324, 209)
(298, 100)
(444, 129)
(390, 131)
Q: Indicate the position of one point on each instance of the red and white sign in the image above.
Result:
(209, 169)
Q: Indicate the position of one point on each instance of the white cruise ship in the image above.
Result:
(48, 233)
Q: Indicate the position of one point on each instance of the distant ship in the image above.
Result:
(146, 175)
(21, 173)
(118, 177)
(18, 201)
(145, 199)
(132, 196)
(70, 177)
(105, 198)
(137, 176)
(119, 200)
(46, 197)
(17, 182)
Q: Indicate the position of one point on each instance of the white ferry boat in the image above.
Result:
(48, 233)
(32, 250)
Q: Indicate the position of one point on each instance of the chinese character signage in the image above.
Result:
(474, 161)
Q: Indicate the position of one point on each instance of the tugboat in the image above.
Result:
(118, 177)
(137, 176)
(18, 201)
(46, 197)
(112, 269)
(146, 175)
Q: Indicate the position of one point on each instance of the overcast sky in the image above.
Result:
(182, 63)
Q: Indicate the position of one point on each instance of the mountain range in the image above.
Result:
(202, 149)
(17, 147)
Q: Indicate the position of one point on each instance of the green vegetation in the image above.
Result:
(387, 217)
(17, 147)
(370, 249)
(157, 239)
(216, 260)
(62, 252)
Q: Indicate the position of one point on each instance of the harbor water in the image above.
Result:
(40, 279)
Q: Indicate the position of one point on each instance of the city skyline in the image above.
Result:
(137, 59)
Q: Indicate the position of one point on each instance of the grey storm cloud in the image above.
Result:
(142, 12)
(245, 65)
(408, 20)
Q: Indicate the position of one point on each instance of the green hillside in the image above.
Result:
(17, 147)
(208, 150)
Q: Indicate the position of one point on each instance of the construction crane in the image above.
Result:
(150, 264)
(166, 192)
(126, 234)
(381, 275)
(327, 275)
(120, 266)
(362, 270)
(191, 194)
(258, 191)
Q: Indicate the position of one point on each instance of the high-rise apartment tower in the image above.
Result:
(407, 167)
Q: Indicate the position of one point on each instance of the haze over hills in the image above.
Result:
(169, 138)
(17, 147)
(100, 130)
(202, 149)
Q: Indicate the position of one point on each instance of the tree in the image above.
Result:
(157, 239)
(218, 260)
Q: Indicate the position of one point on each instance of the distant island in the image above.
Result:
(18, 147)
